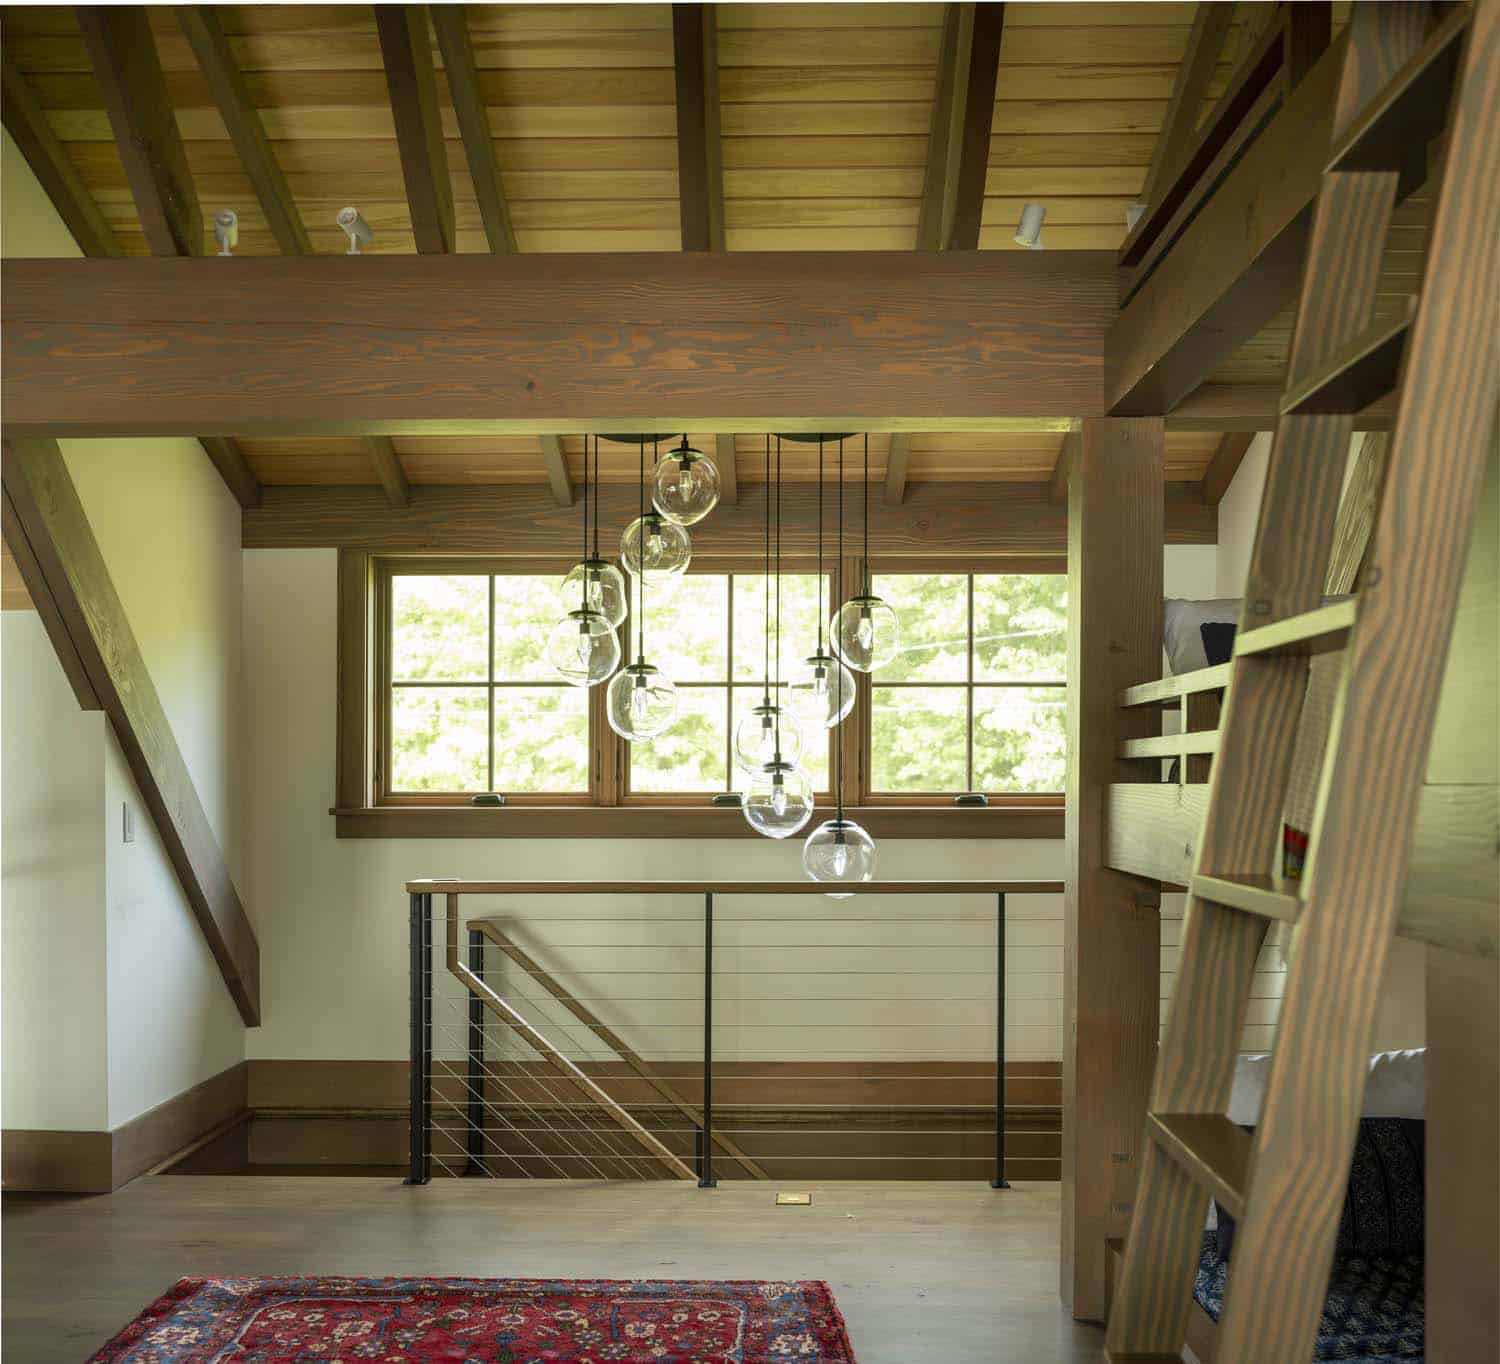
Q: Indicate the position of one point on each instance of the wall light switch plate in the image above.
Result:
(794, 1200)
(127, 823)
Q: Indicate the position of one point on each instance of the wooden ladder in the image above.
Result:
(1408, 73)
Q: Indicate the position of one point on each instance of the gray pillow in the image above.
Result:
(1182, 632)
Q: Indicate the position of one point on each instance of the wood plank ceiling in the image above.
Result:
(827, 133)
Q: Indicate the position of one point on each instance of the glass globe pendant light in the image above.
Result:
(823, 690)
(600, 584)
(839, 851)
(778, 799)
(653, 546)
(769, 733)
(865, 630)
(686, 485)
(642, 700)
(583, 645)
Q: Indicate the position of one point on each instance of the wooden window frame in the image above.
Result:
(606, 811)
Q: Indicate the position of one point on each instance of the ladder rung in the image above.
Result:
(1253, 894)
(1171, 745)
(1410, 111)
(1166, 691)
(1213, 1150)
(1310, 632)
(1366, 369)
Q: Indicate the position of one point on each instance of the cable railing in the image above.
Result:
(699, 1030)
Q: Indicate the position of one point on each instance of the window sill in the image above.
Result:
(643, 821)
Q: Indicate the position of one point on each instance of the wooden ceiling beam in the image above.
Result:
(1223, 466)
(382, 452)
(43, 503)
(700, 164)
(1253, 407)
(205, 35)
(726, 458)
(556, 464)
(945, 132)
(985, 31)
(234, 468)
(897, 461)
(486, 343)
(123, 53)
(452, 29)
(50, 163)
(1067, 452)
(411, 79)
(992, 521)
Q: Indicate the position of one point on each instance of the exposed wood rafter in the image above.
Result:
(233, 468)
(1057, 488)
(68, 568)
(700, 166)
(50, 163)
(123, 53)
(985, 30)
(388, 470)
(939, 182)
(726, 458)
(412, 81)
(454, 42)
(896, 463)
(205, 35)
(1224, 465)
(557, 470)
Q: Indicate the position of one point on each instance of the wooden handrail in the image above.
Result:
(439, 886)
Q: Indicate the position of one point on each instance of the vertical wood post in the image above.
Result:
(706, 1179)
(1111, 973)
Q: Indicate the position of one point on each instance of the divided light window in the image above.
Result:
(471, 703)
(975, 700)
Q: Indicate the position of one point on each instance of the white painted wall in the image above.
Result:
(169, 532)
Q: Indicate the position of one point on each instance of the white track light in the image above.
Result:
(356, 229)
(227, 230)
(1029, 230)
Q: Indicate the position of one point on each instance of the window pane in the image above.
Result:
(438, 740)
(1020, 738)
(934, 613)
(1020, 627)
(799, 622)
(687, 629)
(439, 628)
(690, 756)
(815, 742)
(918, 739)
(527, 606)
(541, 739)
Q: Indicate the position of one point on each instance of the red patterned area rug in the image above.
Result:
(484, 1321)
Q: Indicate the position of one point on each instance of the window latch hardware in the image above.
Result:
(487, 798)
(971, 798)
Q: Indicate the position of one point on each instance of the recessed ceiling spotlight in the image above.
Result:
(227, 230)
(1029, 230)
(356, 229)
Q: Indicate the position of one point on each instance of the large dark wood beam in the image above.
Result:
(983, 520)
(1235, 266)
(70, 570)
(123, 53)
(50, 163)
(984, 34)
(412, 80)
(205, 35)
(454, 42)
(565, 343)
(1223, 466)
(700, 164)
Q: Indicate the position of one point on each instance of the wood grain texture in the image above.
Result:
(939, 183)
(700, 160)
(27, 123)
(338, 345)
(897, 465)
(46, 506)
(726, 459)
(1254, 407)
(1233, 267)
(123, 53)
(204, 32)
(388, 470)
(557, 470)
(407, 53)
(451, 25)
(992, 521)
(1057, 487)
(1356, 518)
(1110, 965)
(984, 33)
(227, 457)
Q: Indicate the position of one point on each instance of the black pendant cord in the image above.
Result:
(584, 604)
(778, 596)
(765, 695)
(640, 558)
(869, 575)
(838, 743)
(820, 544)
(596, 486)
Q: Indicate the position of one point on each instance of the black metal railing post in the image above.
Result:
(706, 1178)
(999, 1181)
(475, 1112)
(420, 946)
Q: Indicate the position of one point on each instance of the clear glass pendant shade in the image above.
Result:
(584, 648)
(642, 701)
(822, 692)
(599, 586)
(763, 735)
(660, 548)
(687, 485)
(839, 851)
(865, 633)
(777, 800)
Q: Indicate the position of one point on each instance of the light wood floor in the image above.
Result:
(924, 1273)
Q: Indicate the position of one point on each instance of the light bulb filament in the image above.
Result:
(840, 859)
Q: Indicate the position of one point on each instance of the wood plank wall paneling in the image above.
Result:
(1114, 640)
(537, 344)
